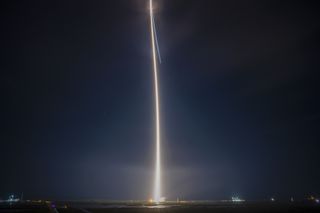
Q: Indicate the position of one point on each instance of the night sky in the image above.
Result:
(239, 89)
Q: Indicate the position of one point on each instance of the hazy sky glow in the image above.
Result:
(239, 101)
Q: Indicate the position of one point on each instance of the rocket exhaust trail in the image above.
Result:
(156, 38)
(157, 180)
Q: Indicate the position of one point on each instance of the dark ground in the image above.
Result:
(65, 207)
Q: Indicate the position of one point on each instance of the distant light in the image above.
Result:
(317, 200)
(237, 199)
(12, 199)
(272, 199)
(150, 200)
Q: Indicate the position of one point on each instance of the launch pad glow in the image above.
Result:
(157, 181)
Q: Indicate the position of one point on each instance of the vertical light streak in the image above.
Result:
(157, 183)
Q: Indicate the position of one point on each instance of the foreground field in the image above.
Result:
(105, 207)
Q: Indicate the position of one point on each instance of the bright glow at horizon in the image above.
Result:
(157, 181)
